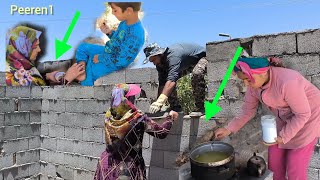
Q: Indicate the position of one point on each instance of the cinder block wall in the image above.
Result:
(57, 132)
(298, 50)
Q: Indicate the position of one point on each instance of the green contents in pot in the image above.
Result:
(211, 156)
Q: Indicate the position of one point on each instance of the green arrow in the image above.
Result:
(212, 108)
(62, 46)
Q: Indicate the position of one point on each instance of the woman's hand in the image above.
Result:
(74, 71)
(174, 115)
(277, 139)
(221, 133)
(51, 78)
(105, 28)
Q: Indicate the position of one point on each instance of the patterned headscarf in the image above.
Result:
(119, 118)
(20, 71)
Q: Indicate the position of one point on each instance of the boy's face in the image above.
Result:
(117, 11)
(156, 60)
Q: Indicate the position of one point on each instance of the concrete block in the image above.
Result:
(87, 106)
(65, 172)
(170, 159)
(17, 118)
(140, 75)
(313, 174)
(213, 88)
(12, 146)
(143, 104)
(97, 149)
(2, 92)
(73, 133)
(7, 105)
(25, 157)
(184, 143)
(29, 104)
(48, 143)
(45, 105)
(36, 91)
(177, 125)
(2, 119)
(235, 107)
(157, 173)
(84, 148)
(170, 143)
(316, 81)
(10, 174)
(90, 163)
(146, 140)
(74, 92)
(57, 105)
(6, 161)
(45, 129)
(47, 169)
(233, 88)
(65, 145)
(221, 51)
(35, 117)
(44, 155)
(98, 120)
(315, 160)
(34, 142)
(114, 78)
(56, 131)
(82, 174)
(204, 126)
(93, 135)
(34, 170)
(18, 92)
(65, 119)
(103, 92)
(308, 42)
(83, 120)
(73, 160)
(307, 65)
(147, 154)
(157, 158)
(217, 70)
(56, 157)
(24, 131)
(150, 89)
(8, 132)
(274, 45)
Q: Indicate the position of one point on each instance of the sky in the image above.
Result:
(167, 22)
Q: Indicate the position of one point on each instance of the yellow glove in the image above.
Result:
(156, 106)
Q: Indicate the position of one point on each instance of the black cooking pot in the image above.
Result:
(220, 170)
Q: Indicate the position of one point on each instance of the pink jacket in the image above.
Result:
(293, 100)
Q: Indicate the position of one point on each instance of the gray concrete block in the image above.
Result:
(47, 169)
(313, 174)
(315, 160)
(7, 105)
(316, 81)
(25, 157)
(2, 119)
(73, 160)
(235, 107)
(170, 159)
(48, 143)
(140, 75)
(177, 125)
(8, 132)
(103, 92)
(29, 104)
(56, 157)
(233, 88)
(65, 172)
(184, 143)
(307, 65)
(2, 91)
(87, 106)
(143, 104)
(74, 92)
(44, 155)
(170, 143)
(114, 78)
(12, 146)
(150, 89)
(34, 142)
(57, 105)
(24, 131)
(18, 92)
(56, 131)
(45, 129)
(34, 170)
(10, 174)
(35, 117)
(64, 119)
(73, 133)
(308, 42)
(157, 173)
(36, 91)
(90, 163)
(93, 135)
(98, 148)
(6, 161)
(82, 174)
(213, 88)
(84, 148)
(217, 70)
(65, 145)
(98, 120)
(146, 140)
(146, 154)
(17, 118)
(83, 120)
(274, 45)
(157, 158)
(45, 105)
(221, 51)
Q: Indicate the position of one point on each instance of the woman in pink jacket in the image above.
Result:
(296, 104)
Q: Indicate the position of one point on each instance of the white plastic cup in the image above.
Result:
(269, 128)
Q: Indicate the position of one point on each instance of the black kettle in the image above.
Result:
(256, 166)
